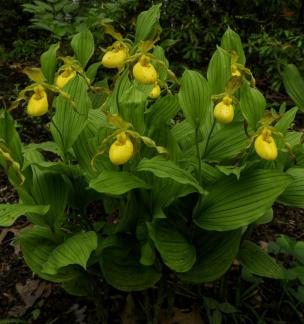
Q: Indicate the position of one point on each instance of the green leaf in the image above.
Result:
(75, 250)
(163, 168)
(116, 183)
(215, 254)
(68, 123)
(231, 204)
(258, 262)
(9, 213)
(294, 84)
(36, 245)
(227, 143)
(48, 62)
(177, 253)
(195, 98)
(159, 53)
(219, 71)
(293, 195)
(121, 268)
(9, 135)
(299, 251)
(132, 107)
(147, 24)
(285, 122)
(83, 46)
(231, 41)
(162, 111)
(49, 189)
(92, 71)
(252, 105)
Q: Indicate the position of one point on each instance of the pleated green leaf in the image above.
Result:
(68, 123)
(231, 204)
(219, 70)
(9, 135)
(258, 262)
(83, 46)
(49, 189)
(162, 111)
(147, 24)
(75, 250)
(9, 213)
(132, 107)
(116, 183)
(293, 195)
(195, 98)
(285, 122)
(48, 62)
(227, 143)
(163, 168)
(215, 254)
(121, 267)
(252, 105)
(37, 245)
(159, 52)
(231, 41)
(175, 250)
(294, 84)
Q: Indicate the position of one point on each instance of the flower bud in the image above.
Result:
(265, 146)
(115, 58)
(144, 71)
(38, 103)
(155, 92)
(224, 111)
(64, 77)
(121, 151)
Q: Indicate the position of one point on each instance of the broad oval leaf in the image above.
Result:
(252, 105)
(293, 195)
(121, 267)
(231, 41)
(117, 183)
(37, 245)
(147, 23)
(162, 111)
(83, 46)
(68, 123)
(75, 250)
(177, 253)
(294, 84)
(227, 143)
(132, 107)
(195, 98)
(219, 70)
(231, 204)
(258, 262)
(48, 62)
(215, 254)
(9, 213)
(285, 122)
(163, 168)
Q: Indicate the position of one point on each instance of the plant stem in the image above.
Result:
(209, 136)
(198, 153)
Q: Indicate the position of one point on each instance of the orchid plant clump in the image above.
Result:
(185, 164)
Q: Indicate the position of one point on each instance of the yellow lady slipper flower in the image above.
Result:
(121, 151)
(155, 92)
(115, 58)
(224, 111)
(235, 71)
(144, 71)
(38, 103)
(64, 77)
(265, 146)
